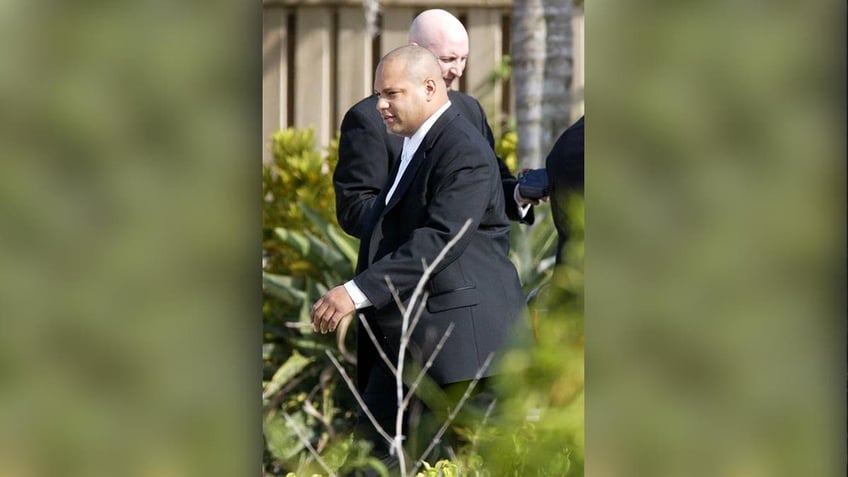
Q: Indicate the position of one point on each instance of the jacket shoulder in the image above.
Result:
(468, 106)
(365, 111)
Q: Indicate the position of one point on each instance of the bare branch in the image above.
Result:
(406, 333)
(358, 397)
(341, 333)
(374, 340)
(438, 437)
(291, 422)
(395, 295)
(427, 366)
(441, 256)
(417, 316)
(476, 438)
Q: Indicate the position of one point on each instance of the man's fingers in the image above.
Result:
(334, 323)
(333, 320)
(318, 310)
(328, 311)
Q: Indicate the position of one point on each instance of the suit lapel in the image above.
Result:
(420, 156)
(379, 209)
(408, 176)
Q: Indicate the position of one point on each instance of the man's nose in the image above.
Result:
(382, 104)
(456, 71)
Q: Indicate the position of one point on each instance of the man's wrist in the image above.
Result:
(523, 204)
(359, 299)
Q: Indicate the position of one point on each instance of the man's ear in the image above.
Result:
(430, 88)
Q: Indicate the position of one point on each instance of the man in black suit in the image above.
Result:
(367, 153)
(447, 175)
(564, 165)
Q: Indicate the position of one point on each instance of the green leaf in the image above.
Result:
(347, 245)
(294, 365)
(283, 287)
(315, 251)
(295, 240)
(282, 441)
(329, 256)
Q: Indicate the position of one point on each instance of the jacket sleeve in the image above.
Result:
(362, 168)
(508, 181)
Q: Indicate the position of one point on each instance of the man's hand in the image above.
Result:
(524, 202)
(536, 182)
(330, 309)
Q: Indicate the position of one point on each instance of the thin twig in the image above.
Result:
(395, 295)
(358, 397)
(429, 270)
(341, 333)
(291, 422)
(476, 438)
(293, 324)
(438, 437)
(406, 335)
(414, 386)
(418, 313)
(374, 340)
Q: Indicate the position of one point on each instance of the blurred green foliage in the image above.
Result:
(506, 148)
(128, 202)
(716, 190)
(539, 429)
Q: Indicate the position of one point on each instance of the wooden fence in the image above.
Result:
(318, 59)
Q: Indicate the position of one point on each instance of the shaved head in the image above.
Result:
(419, 62)
(431, 26)
(409, 89)
(445, 36)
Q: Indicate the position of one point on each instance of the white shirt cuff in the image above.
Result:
(522, 209)
(359, 299)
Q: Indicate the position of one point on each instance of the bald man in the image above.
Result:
(446, 176)
(367, 152)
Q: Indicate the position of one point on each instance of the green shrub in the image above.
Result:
(506, 148)
(297, 181)
(304, 253)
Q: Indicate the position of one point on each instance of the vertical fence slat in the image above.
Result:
(395, 31)
(485, 40)
(354, 60)
(312, 72)
(273, 75)
(579, 81)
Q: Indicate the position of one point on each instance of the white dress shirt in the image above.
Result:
(410, 146)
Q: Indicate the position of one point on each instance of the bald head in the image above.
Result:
(445, 36)
(409, 89)
(419, 62)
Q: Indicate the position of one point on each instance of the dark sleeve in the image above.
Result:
(508, 180)
(362, 169)
(565, 161)
(565, 174)
(473, 111)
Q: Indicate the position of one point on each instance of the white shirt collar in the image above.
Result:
(410, 144)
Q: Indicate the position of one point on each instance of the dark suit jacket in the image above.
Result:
(564, 165)
(452, 177)
(367, 152)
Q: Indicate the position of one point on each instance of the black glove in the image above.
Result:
(533, 184)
